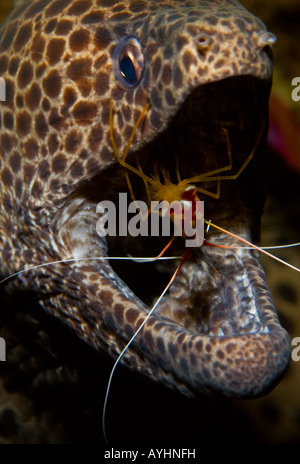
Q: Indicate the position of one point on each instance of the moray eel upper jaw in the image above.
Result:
(203, 66)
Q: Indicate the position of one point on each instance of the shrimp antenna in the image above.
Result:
(251, 245)
(184, 258)
(96, 258)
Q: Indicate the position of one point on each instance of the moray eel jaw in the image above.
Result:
(217, 329)
(202, 65)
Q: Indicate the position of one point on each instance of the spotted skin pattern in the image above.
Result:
(57, 61)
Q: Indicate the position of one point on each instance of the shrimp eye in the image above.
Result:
(128, 62)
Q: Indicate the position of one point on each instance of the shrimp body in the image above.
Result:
(169, 192)
(183, 199)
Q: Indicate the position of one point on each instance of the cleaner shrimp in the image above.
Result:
(184, 190)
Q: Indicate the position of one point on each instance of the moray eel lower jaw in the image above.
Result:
(217, 329)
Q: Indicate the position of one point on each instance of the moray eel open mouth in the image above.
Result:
(216, 329)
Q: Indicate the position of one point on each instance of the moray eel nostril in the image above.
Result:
(203, 41)
(266, 38)
(195, 64)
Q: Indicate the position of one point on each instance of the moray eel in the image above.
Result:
(203, 65)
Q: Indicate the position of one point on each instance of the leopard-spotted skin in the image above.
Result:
(57, 61)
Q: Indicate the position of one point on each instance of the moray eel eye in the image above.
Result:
(128, 62)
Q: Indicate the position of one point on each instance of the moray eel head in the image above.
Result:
(204, 66)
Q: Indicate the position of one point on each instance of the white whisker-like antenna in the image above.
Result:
(132, 339)
(98, 258)
(251, 245)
